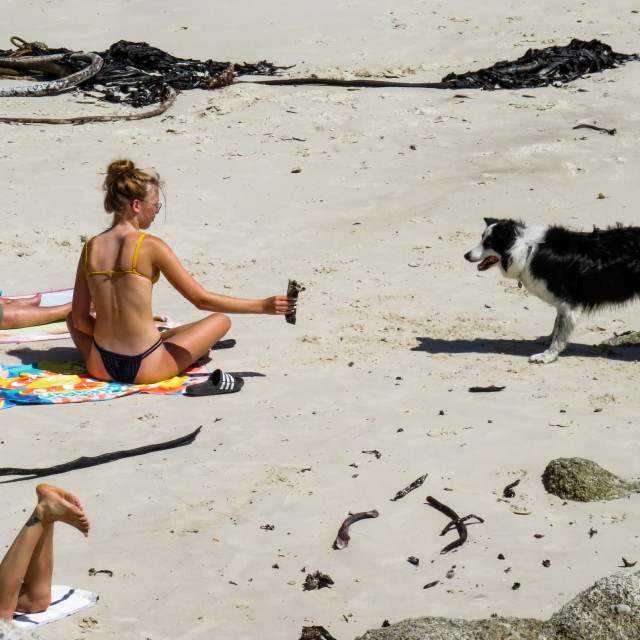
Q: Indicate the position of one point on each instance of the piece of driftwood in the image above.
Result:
(58, 85)
(414, 485)
(342, 539)
(92, 461)
(293, 289)
(456, 521)
(139, 115)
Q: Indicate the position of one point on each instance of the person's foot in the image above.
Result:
(33, 301)
(58, 505)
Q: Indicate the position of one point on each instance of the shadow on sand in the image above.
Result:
(523, 348)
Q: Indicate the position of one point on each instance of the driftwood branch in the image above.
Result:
(92, 461)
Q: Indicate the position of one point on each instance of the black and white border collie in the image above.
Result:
(573, 271)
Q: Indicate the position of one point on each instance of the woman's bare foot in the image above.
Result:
(33, 301)
(58, 505)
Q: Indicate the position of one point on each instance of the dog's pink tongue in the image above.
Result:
(487, 262)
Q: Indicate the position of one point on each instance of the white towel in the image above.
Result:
(64, 602)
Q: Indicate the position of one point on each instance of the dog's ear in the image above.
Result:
(490, 221)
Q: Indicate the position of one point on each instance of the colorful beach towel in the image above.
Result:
(64, 382)
(64, 602)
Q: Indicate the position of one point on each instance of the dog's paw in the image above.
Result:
(545, 357)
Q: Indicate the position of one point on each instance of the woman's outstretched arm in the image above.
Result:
(166, 260)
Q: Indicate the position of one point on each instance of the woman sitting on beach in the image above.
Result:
(116, 273)
(26, 570)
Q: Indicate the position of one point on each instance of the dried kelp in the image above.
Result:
(140, 75)
(543, 67)
(132, 73)
(554, 65)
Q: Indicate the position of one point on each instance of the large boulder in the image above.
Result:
(584, 480)
(608, 610)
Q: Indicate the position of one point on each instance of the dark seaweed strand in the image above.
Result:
(414, 485)
(84, 462)
(460, 526)
(136, 73)
(337, 82)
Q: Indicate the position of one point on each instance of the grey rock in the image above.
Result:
(626, 339)
(608, 610)
(9, 631)
(590, 614)
(621, 608)
(584, 481)
(454, 629)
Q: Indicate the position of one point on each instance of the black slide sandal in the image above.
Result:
(224, 344)
(216, 384)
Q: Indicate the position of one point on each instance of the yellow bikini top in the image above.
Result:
(133, 269)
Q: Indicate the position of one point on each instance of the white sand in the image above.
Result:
(393, 329)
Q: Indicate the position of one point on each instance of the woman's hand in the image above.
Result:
(278, 305)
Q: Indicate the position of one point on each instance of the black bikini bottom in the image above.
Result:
(123, 368)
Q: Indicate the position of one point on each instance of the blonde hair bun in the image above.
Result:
(124, 182)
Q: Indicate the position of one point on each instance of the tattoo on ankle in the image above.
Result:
(32, 521)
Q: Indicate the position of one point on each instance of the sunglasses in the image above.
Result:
(157, 205)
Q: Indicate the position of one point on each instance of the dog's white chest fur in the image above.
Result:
(523, 250)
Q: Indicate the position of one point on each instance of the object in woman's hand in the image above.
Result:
(293, 290)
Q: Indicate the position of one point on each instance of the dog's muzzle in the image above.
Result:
(485, 263)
